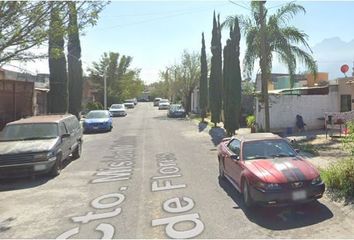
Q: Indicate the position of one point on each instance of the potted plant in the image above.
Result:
(251, 123)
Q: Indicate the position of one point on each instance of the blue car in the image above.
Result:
(98, 121)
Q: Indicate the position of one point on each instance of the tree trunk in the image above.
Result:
(264, 65)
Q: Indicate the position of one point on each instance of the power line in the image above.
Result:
(238, 4)
(159, 18)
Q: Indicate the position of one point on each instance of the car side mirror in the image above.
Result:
(235, 157)
(65, 135)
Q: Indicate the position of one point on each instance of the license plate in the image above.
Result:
(39, 167)
(299, 195)
(95, 128)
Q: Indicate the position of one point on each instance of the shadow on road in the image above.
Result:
(279, 218)
(217, 134)
(170, 119)
(27, 182)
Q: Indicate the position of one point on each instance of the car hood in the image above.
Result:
(165, 104)
(96, 120)
(28, 146)
(282, 170)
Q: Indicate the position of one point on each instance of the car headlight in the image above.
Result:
(40, 157)
(51, 156)
(316, 180)
(267, 186)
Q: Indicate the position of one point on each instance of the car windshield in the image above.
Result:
(117, 106)
(176, 108)
(97, 114)
(34, 131)
(163, 101)
(129, 101)
(266, 149)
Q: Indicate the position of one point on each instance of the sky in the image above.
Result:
(155, 33)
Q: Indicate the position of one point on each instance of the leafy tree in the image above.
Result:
(215, 82)
(180, 79)
(203, 84)
(268, 35)
(232, 80)
(122, 81)
(74, 62)
(58, 94)
(24, 24)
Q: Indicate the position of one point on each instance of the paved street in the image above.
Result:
(152, 177)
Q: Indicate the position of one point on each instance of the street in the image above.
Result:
(152, 177)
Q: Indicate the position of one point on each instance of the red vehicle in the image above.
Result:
(268, 171)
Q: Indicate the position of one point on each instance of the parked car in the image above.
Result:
(117, 110)
(129, 103)
(39, 145)
(176, 110)
(97, 121)
(156, 102)
(164, 104)
(268, 171)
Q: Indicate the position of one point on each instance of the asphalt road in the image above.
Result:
(152, 177)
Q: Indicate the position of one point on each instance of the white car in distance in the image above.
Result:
(118, 110)
(164, 104)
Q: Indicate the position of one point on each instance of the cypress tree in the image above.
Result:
(74, 62)
(203, 84)
(58, 94)
(232, 80)
(215, 84)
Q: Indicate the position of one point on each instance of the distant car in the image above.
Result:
(164, 104)
(176, 111)
(268, 171)
(98, 120)
(156, 102)
(129, 103)
(39, 145)
(117, 110)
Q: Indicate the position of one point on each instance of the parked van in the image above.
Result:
(38, 145)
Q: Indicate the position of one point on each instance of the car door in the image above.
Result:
(65, 141)
(233, 167)
(73, 130)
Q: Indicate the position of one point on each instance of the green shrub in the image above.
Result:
(348, 141)
(94, 106)
(251, 121)
(340, 177)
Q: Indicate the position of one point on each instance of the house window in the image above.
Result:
(345, 103)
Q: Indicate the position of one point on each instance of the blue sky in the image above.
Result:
(155, 33)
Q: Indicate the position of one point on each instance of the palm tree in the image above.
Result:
(271, 35)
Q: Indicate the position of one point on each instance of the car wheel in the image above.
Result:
(247, 199)
(77, 152)
(221, 169)
(56, 169)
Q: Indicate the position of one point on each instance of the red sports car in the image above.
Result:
(267, 170)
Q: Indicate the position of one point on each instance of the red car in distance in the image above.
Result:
(268, 171)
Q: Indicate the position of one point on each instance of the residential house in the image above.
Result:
(89, 91)
(16, 96)
(310, 97)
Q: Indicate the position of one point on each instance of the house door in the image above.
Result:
(345, 103)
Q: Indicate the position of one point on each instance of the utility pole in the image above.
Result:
(105, 89)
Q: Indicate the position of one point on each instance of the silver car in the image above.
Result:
(118, 110)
